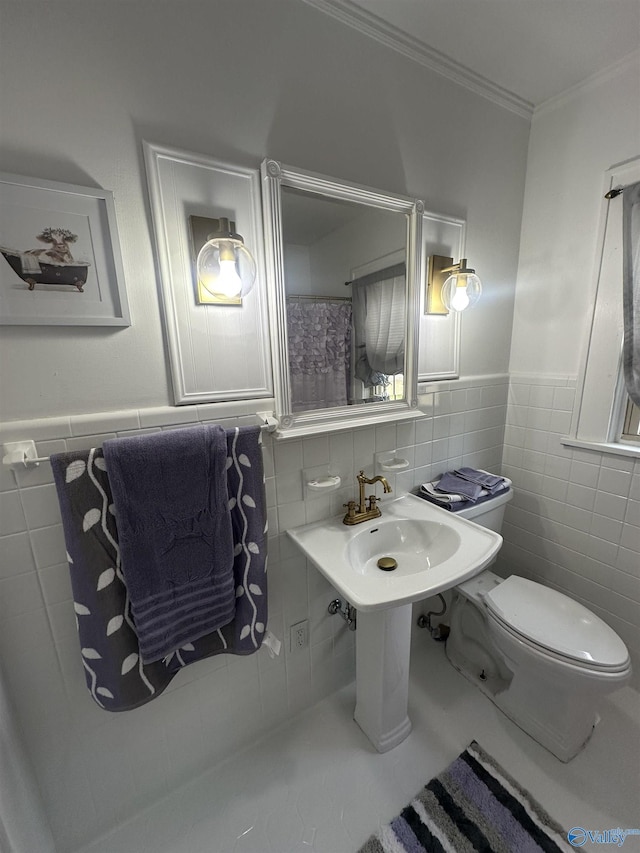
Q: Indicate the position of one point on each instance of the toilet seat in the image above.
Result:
(555, 625)
(552, 655)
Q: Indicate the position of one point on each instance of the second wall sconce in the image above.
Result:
(450, 287)
(225, 268)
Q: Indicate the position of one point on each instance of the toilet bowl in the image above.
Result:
(544, 659)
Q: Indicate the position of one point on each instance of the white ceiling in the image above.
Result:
(308, 218)
(533, 49)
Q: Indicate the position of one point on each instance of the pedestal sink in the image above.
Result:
(434, 550)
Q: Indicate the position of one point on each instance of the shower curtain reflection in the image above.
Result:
(319, 337)
(379, 315)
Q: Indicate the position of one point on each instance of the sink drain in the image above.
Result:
(387, 564)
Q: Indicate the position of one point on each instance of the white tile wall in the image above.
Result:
(574, 521)
(95, 768)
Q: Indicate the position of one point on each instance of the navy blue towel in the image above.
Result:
(450, 484)
(172, 510)
(490, 482)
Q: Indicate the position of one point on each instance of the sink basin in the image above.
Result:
(415, 545)
(434, 550)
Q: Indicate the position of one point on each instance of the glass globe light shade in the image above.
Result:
(226, 268)
(460, 291)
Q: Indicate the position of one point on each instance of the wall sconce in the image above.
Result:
(450, 287)
(225, 268)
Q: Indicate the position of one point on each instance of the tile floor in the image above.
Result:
(316, 785)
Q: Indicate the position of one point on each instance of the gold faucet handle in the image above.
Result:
(373, 499)
(351, 508)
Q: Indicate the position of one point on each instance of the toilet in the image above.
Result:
(544, 659)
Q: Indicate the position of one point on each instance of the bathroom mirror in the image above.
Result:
(343, 269)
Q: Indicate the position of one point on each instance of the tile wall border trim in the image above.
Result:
(98, 423)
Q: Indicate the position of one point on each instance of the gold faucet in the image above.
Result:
(366, 508)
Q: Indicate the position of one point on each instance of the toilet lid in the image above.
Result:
(556, 622)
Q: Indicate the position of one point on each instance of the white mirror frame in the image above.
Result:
(274, 176)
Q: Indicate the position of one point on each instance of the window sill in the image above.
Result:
(616, 449)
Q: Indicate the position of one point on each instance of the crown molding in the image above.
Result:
(374, 27)
(591, 82)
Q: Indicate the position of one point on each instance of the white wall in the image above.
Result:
(575, 519)
(574, 140)
(297, 269)
(372, 236)
(82, 85)
(301, 88)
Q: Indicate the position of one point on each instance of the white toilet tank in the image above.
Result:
(489, 513)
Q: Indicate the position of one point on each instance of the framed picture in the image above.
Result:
(60, 258)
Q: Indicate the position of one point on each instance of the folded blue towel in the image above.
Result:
(451, 484)
(172, 509)
(490, 482)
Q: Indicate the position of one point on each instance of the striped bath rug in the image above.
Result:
(473, 805)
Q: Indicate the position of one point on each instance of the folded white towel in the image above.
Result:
(29, 263)
(442, 497)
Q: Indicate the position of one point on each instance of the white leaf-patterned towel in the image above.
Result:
(100, 594)
(74, 470)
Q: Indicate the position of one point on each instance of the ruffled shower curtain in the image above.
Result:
(319, 334)
(631, 290)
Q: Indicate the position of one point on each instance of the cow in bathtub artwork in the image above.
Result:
(52, 264)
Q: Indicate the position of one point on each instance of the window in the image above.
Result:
(603, 418)
(631, 426)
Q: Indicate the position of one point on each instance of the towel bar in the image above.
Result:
(19, 455)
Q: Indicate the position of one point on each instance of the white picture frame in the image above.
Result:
(60, 261)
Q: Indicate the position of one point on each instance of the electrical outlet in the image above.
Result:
(299, 636)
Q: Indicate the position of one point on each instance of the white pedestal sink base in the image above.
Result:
(453, 550)
(383, 647)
